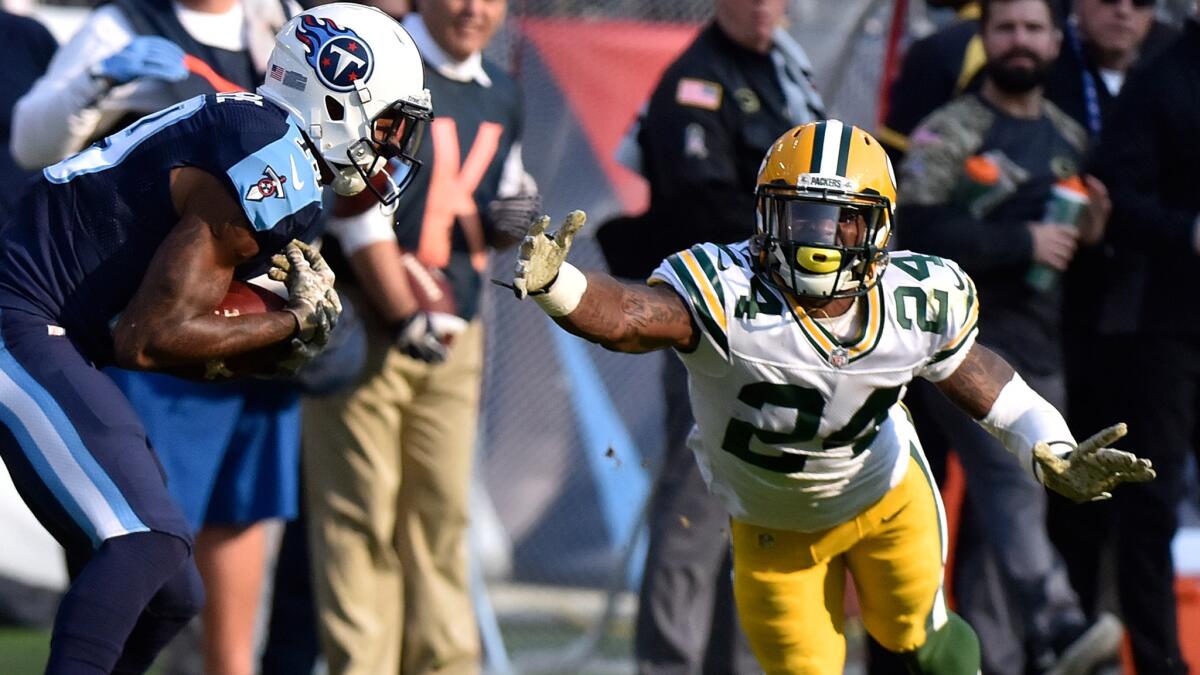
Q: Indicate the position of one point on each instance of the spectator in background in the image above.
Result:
(230, 451)
(935, 69)
(1150, 161)
(709, 122)
(32, 47)
(1103, 40)
(977, 179)
(387, 465)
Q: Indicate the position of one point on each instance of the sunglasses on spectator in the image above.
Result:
(1139, 4)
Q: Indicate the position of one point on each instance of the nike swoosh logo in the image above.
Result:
(296, 182)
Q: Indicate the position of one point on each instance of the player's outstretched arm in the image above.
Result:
(987, 388)
(618, 316)
(170, 322)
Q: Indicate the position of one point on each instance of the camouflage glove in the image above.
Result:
(302, 352)
(541, 255)
(311, 297)
(1088, 472)
(215, 369)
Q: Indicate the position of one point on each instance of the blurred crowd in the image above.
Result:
(1048, 146)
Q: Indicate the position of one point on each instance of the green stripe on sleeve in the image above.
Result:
(710, 271)
(708, 323)
(943, 355)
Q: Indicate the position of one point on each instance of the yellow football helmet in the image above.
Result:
(826, 203)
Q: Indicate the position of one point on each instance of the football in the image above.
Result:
(256, 296)
(429, 285)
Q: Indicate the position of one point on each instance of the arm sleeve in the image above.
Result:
(1020, 417)
(1129, 160)
(930, 220)
(59, 114)
(359, 231)
(693, 275)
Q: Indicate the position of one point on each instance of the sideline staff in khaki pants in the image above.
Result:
(388, 464)
(386, 551)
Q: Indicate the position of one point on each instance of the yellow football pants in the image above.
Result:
(790, 586)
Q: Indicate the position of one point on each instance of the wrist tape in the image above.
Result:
(563, 296)
(1020, 417)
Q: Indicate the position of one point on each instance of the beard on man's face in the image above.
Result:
(1017, 79)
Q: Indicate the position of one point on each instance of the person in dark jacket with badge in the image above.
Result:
(707, 125)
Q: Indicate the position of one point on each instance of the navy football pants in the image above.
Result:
(79, 457)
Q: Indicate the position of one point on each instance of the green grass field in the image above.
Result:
(23, 651)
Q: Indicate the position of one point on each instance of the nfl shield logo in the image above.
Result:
(839, 357)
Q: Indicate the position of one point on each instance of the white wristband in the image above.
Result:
(1020, 417)
(563, 296)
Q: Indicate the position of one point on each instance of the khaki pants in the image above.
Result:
(387, 468)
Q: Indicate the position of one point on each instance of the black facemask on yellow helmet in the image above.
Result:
(825, 202)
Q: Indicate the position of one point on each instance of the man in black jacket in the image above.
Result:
(1150, 161)
(1102, 42)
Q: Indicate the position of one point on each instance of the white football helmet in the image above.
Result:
(353, 76)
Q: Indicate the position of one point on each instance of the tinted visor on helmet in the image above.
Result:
(817, 235)
(396, 134)
(821, 224)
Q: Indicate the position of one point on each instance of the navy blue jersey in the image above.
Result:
(81, 239)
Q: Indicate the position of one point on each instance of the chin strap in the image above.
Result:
(328, 173)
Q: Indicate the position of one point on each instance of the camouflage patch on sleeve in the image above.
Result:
(937, 149)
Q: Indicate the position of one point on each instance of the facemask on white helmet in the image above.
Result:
(353, 76)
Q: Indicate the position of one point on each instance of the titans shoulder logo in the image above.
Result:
(337, 55)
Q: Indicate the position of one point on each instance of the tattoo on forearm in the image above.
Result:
(977, 382)
(629, 318)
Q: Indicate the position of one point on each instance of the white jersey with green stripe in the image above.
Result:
(794, 428)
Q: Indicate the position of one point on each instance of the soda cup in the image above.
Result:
(1068, 199)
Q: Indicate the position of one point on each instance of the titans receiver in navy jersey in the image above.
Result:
(119, 254)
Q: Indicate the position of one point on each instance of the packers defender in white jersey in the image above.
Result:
(799, 343)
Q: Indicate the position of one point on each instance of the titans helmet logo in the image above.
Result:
(337, 55)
